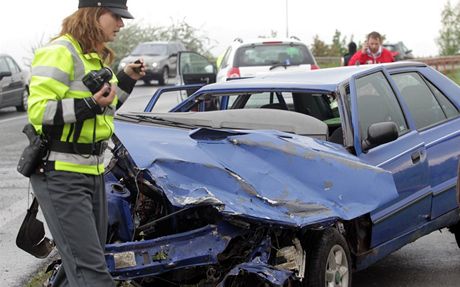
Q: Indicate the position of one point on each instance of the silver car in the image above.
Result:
(14, 88)
(160, 59)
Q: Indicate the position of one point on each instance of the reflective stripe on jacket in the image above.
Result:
(56, 106)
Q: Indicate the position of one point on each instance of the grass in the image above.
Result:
(454, 76)
(39, 278)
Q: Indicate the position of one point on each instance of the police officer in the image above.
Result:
(77, 124)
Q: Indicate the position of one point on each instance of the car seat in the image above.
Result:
(276, 106)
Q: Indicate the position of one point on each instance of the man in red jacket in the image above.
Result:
(372, 52)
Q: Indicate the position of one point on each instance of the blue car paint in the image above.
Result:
(193, 171)
(424, 200)
(266, 272)
(189, 249)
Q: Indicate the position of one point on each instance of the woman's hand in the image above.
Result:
(104, 101)
(135, 70)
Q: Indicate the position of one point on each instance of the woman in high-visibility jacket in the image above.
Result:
(77, 124)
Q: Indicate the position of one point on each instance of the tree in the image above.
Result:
(449, 38)
(319, 48)
(338, 47)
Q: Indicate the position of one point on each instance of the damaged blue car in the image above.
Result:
(290, 179)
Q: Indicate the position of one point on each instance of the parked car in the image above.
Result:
(14, 84)
(288, 179)
(399, 51)
(249, 58)
(160, 59)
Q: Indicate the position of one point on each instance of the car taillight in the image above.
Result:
(314, 67)
(234, 72)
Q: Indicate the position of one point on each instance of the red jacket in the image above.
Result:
(367, 58)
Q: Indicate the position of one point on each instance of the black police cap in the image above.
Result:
(116, 6)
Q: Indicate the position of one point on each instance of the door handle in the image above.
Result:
(416, 156)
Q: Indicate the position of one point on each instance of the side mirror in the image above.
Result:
(173, 55)
(5, 74)
(380, 133)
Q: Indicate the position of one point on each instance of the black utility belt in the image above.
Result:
(97, 148)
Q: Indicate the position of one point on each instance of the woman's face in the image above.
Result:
(111, 25)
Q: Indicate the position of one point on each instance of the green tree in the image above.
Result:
(319, 48)
(338, 46)
(449, 35)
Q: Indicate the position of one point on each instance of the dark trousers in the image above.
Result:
(75, 209)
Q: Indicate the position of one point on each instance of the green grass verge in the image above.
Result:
(39, 278)
(454, 76)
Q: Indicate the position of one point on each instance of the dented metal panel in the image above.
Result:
(264, 175)
(151, 257)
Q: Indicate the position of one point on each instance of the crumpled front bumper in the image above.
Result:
(153, 257)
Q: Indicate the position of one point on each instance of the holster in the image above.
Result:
(31, 236)
(33, 153)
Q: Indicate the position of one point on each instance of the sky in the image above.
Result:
(25, 23)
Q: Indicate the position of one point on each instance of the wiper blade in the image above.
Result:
(156, 120)
(282, 65)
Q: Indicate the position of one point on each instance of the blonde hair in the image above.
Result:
(84, 26)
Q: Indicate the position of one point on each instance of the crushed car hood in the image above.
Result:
(268, 176)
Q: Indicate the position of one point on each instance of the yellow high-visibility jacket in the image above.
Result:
(59, 102)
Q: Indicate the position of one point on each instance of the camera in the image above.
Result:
(95, 80)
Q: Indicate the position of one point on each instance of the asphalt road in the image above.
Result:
(430, 261)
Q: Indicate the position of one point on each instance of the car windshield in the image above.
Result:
(150, 49)
(320, 106)
(272, 54)
(390, 47)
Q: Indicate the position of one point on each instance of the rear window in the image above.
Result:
(272, 54)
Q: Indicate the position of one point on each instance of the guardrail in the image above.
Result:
(443, 64)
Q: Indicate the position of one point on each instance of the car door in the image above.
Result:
(374, 101)
(17, 84)
(6, 88)
(194, 68)
(172, 58)
(437, 121)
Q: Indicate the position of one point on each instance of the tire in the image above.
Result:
(164, 78)
(456, 231)
(329, 261)
(147, 82)
(23, 106)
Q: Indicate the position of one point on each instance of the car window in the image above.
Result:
(422, 103)
(151, 49)
(265, 100)
(271, 54)
(224, 62)
(167, 101)
(12, 64)
(3, 65)
(449, 109)
(192, 63)
(377, 103)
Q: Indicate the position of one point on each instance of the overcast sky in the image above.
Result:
(415, 22)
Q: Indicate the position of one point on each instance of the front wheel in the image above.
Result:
(165, 76)
(329, 262)
(24, 97)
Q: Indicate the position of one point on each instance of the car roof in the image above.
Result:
(159, 42)
(323, 79)
(240, 42)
